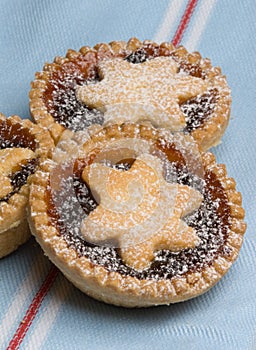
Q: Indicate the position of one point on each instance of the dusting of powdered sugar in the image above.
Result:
(141, 55)
(198, 109)
(19, 178)
(155, 83)
(14, 135)
(64, 106)
(67, 110)
(210, 226)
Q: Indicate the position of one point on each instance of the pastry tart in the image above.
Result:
(22, 146)
(133, 81)
(136, 216)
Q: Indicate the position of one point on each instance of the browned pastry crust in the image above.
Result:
(77, 67)
(122, 289)
(23, 136)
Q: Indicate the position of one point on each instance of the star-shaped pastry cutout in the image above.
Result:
(151, 90)
(139, 210)
(10, 161)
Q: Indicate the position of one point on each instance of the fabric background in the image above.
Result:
(61, 317)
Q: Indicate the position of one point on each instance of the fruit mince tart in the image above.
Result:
(133, 81)
(22, 146)
(136, 216)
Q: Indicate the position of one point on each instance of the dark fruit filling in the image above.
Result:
(148, 52)
(61, 100)
(211, 221)
(14, 135)
(198, 109)
(139, 56)
(20, 177)
(62, 104)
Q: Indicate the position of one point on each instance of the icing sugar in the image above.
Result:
(211, 228)
(64, 106)
(155, 84)
(136, 208)
(198, 109)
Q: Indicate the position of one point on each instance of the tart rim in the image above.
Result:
(207, 135)
(124, 290)
(13, 211)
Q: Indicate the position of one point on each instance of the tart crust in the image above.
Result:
(124, 290)
(208, 134)
(14, 229)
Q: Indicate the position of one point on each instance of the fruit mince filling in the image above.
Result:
(64, 107)
(14, 135)
(211, 222)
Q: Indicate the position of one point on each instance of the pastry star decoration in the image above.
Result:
(10, 161)
(151, 90)
(139, 211)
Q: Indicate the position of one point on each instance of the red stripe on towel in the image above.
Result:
(33, 309)
(184, 22)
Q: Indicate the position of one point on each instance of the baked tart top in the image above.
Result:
(138, 210)
(22, 146)
(133, 81)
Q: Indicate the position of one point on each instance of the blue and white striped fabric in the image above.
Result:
(57, 315)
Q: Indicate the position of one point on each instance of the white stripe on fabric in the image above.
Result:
(45, 319)
(170, 18)
(202, 17)
(24, 291)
